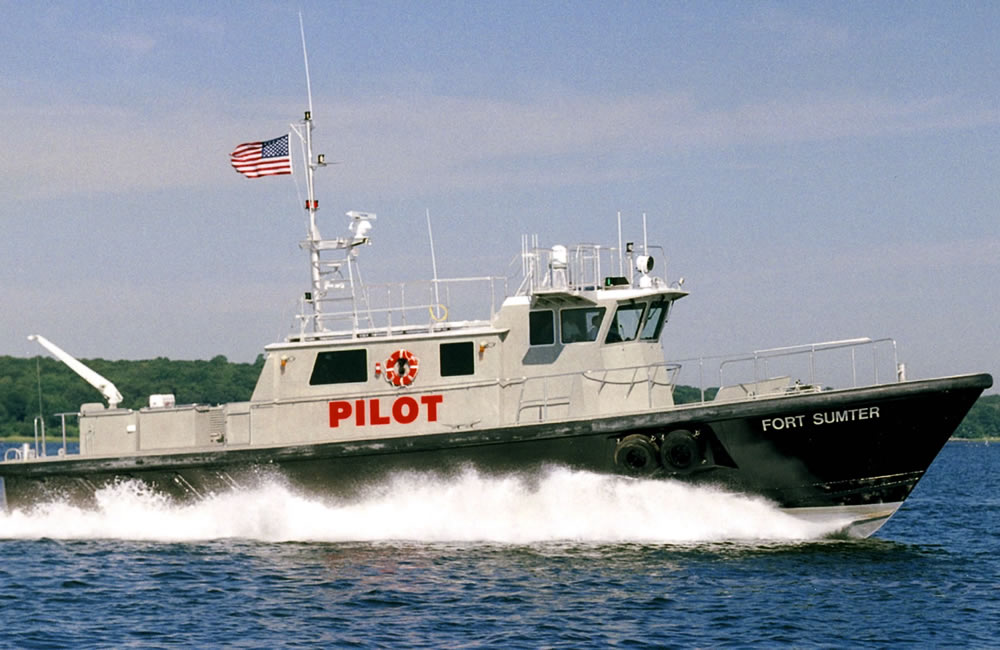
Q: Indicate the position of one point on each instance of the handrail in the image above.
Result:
(24, 452)
(383, 303)
(37, 448)
(761, 359)
(39, 425)
(581, 267)
(62, 419)
(642, 374)
(672, 367)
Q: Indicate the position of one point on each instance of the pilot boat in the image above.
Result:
(560, 366)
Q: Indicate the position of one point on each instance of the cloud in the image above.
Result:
(480, 142)
(805, 32)
(440, 142)
(127, 41)
(92, 148)
(938, 256)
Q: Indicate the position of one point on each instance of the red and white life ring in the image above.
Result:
(401, 368)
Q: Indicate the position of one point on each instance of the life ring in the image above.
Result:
(681, 451)
(637, 455)
(401, 368)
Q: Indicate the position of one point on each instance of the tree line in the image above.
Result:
(44, 385)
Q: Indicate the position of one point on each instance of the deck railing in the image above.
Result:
(581, 267)
(811, 366)
(593, 392)
(391, 308)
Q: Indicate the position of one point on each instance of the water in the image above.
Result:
(561, 560)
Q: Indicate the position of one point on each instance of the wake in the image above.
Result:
(558, 505)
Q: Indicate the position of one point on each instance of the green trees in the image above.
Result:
(983, 420)
(62, 391)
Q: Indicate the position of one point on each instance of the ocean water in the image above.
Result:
(563, 559)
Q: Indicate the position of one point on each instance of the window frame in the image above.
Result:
(451, 363)
(586, 333)
(660, 321)
(639, 322)
(532, 327)
(353, 371)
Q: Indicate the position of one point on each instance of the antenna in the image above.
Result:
(645, 248)
(305, 58)
(434, 268)
(621, 264)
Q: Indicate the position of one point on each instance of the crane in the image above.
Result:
(96, 380)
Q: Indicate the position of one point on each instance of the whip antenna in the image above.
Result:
(305, 58)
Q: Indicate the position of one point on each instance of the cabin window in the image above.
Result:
(654, 321)
(580, 325)
(625, 323)
(541, 327)
(339, 367)
(457, 359)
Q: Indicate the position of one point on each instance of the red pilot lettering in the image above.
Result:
(339, 411)
(368, 412)
(432, 402)
(377, 418)
(411, 408)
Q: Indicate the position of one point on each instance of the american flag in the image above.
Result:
(268, 158)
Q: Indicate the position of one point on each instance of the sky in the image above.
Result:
(815, 171)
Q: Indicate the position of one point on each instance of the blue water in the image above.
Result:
(562, 560)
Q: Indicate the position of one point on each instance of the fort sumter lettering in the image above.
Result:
(820, 419)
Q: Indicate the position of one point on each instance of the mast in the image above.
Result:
(327, 274)
(313, 237)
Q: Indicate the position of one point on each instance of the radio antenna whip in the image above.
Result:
(305, 58)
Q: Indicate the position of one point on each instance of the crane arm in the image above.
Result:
(96, 380)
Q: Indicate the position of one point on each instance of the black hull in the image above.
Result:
(851, 447)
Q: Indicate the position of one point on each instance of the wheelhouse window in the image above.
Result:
(457, 359)
(339, 367)
(625, 323)
(654, 321)
(541, 327)
(580, 324)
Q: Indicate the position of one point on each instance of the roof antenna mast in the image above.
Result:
(327, 274)
(312, 205)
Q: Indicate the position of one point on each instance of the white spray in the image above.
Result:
(559, 505)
